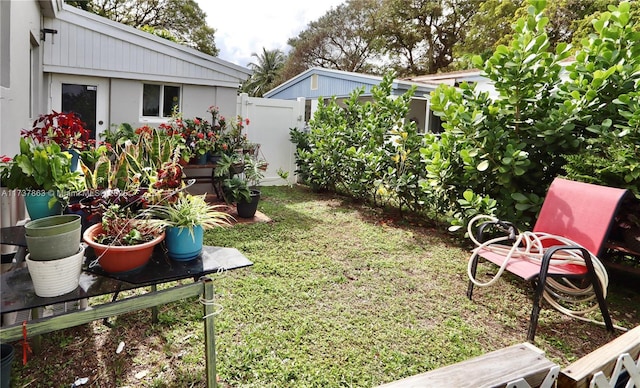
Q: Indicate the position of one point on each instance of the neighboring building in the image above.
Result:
(455, 78)
(317, 82)
(57, 57)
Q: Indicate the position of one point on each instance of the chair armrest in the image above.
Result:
(504, 226)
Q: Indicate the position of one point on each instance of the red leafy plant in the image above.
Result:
(65, 129)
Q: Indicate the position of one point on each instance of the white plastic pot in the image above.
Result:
(56, 277)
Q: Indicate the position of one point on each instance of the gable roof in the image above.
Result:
(452, 78)
(88, 44)
(338, 83)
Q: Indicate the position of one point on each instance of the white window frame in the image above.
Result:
(160, 117)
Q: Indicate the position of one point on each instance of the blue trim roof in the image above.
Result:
(337, 83)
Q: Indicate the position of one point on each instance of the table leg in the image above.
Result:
(36, 340)
(209, 332)
(105, 321)
(154, 309)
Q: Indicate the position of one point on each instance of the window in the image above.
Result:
(160, 100)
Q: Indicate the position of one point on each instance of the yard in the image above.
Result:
(340, 294)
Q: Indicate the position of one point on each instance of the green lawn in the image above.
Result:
(340, 294)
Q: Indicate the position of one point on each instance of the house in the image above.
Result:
(57, 57)
(320, 83)
(455, 78)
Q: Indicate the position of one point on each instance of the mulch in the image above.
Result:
(259, 217)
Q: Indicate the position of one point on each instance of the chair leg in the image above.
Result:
(539, 291)
(535, 311)
(597, 288)
(474, 268)
(603, 306)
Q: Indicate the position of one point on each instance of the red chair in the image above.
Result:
(583, 215)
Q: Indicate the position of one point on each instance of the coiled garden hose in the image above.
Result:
(564, 295)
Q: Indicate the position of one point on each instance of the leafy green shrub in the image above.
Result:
(496, 155)
(364, 149)
(604, 91)
(506, 148)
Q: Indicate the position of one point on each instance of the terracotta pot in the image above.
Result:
(116, 259)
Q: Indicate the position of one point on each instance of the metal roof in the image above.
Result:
(88, 44)
(340, 84)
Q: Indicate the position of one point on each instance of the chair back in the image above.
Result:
(581, 212)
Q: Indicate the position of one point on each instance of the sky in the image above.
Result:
(244, 27)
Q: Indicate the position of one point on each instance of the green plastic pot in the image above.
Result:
(44, 248)
(53, 225)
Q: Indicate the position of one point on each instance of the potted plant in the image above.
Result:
(63, 128)
(124, 176)
(186, 219)
(201, 148)
(236, 191)
(240, 186)
(123, 241)
(43, 173)
(228, 165)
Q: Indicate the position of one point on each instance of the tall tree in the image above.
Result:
(490, 26)
(183, 19)
(420, 34)
(569, 22)
(342, 39)
(266, 72)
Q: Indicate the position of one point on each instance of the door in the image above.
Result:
(270, 122)
(85, 96)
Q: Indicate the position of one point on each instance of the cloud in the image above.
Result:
(244, 27)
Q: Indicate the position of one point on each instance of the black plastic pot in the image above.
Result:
(248, 209)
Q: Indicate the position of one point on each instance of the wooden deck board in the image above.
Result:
(494, 369)
(579, 373)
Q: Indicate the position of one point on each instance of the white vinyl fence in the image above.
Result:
(269, 123)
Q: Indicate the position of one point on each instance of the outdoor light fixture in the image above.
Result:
(45, 31)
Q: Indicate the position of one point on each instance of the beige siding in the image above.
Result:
(125, 102)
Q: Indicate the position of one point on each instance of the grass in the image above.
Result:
(340, 294)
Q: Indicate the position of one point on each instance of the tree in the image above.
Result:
(266, 72)
(342, 39)
(420, 35)
(489, 27)
(183, 19)
(569, 21)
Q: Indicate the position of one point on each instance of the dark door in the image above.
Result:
(81, 99)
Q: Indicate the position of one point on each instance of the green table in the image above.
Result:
(17, 294)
